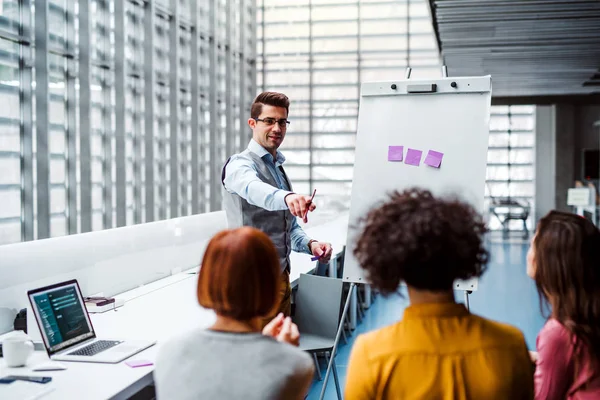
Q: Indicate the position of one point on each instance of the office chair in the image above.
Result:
(507, 209)
(318, 304)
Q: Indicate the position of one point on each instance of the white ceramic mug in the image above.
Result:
(16, 351)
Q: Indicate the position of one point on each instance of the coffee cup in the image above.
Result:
(16, 351)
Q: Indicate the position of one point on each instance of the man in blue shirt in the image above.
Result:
(258, 193)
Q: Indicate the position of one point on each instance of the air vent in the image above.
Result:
(530, 48)
(594, 80)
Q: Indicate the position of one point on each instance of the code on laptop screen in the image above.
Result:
(62, 317)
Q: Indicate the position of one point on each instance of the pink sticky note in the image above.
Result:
(395, 153)
(138, 363)
(413, 157)
(434, 158)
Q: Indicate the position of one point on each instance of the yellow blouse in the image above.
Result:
(440, 351)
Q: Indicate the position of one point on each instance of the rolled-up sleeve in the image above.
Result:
(299, 238)
(242, 179)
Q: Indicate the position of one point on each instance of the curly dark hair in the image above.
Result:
(425, 241)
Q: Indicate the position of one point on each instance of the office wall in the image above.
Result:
(565, 153)
(587, 136)
(562, 132)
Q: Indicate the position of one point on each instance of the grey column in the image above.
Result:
(139, 186)
(565, 153)
(25, 67)
(195, 92)
(358, 59)
(545, 160)
(120, 91)
(264, 49)
(108, 151)
(243, 56)
(174, 92)
(214, 105)
(310, 98)
(252, 55)
(230, 48)
(555, 150)
(149, 79)
(42, 72)
(72, 217)
(85, 100)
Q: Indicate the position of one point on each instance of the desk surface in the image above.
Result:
(157, 315)
(156, 311)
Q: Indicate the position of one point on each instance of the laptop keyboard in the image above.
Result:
(94, 348)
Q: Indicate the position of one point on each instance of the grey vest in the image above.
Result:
(276, 224)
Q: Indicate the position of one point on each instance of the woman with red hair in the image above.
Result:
(233, 359)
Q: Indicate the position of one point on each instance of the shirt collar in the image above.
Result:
(260, 151)
(435, 310)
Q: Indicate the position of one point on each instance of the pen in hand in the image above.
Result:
(308, 203)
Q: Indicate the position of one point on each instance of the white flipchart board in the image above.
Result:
(447, 115)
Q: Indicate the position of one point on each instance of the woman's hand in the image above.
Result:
(534, 356)
(282, 329)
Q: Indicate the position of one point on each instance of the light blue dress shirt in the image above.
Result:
(241, 178)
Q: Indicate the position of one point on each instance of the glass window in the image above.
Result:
(103, 164)
(225, 52)
(9, 20)
(10, 141)
(185, 126)
(162, 144)
(57, 137)
(57, 23)
(134, 115)
(343, 33)
(510, 172)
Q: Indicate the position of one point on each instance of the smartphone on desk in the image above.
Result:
(36, 379)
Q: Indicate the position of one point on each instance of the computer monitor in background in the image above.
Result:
(589, 216)
(591, 164)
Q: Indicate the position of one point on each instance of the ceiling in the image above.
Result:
(531, 48)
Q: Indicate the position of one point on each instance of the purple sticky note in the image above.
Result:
(395, 153)
(413, 157)
(434, 158)
(138, 363)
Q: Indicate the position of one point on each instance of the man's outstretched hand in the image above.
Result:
(299, 205)
(323, 250)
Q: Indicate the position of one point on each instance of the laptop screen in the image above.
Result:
(60, 314)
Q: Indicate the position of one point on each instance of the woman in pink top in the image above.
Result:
(564, 261)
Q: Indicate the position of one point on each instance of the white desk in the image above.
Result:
(156, 311)
(157, 315)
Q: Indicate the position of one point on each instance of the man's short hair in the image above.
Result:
(240, 274)
(424, 241)
(269, 98)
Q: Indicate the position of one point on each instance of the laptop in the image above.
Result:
(67, 330)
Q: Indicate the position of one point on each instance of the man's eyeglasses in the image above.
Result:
(271, 121)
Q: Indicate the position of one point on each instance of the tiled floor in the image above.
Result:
(505, 294)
